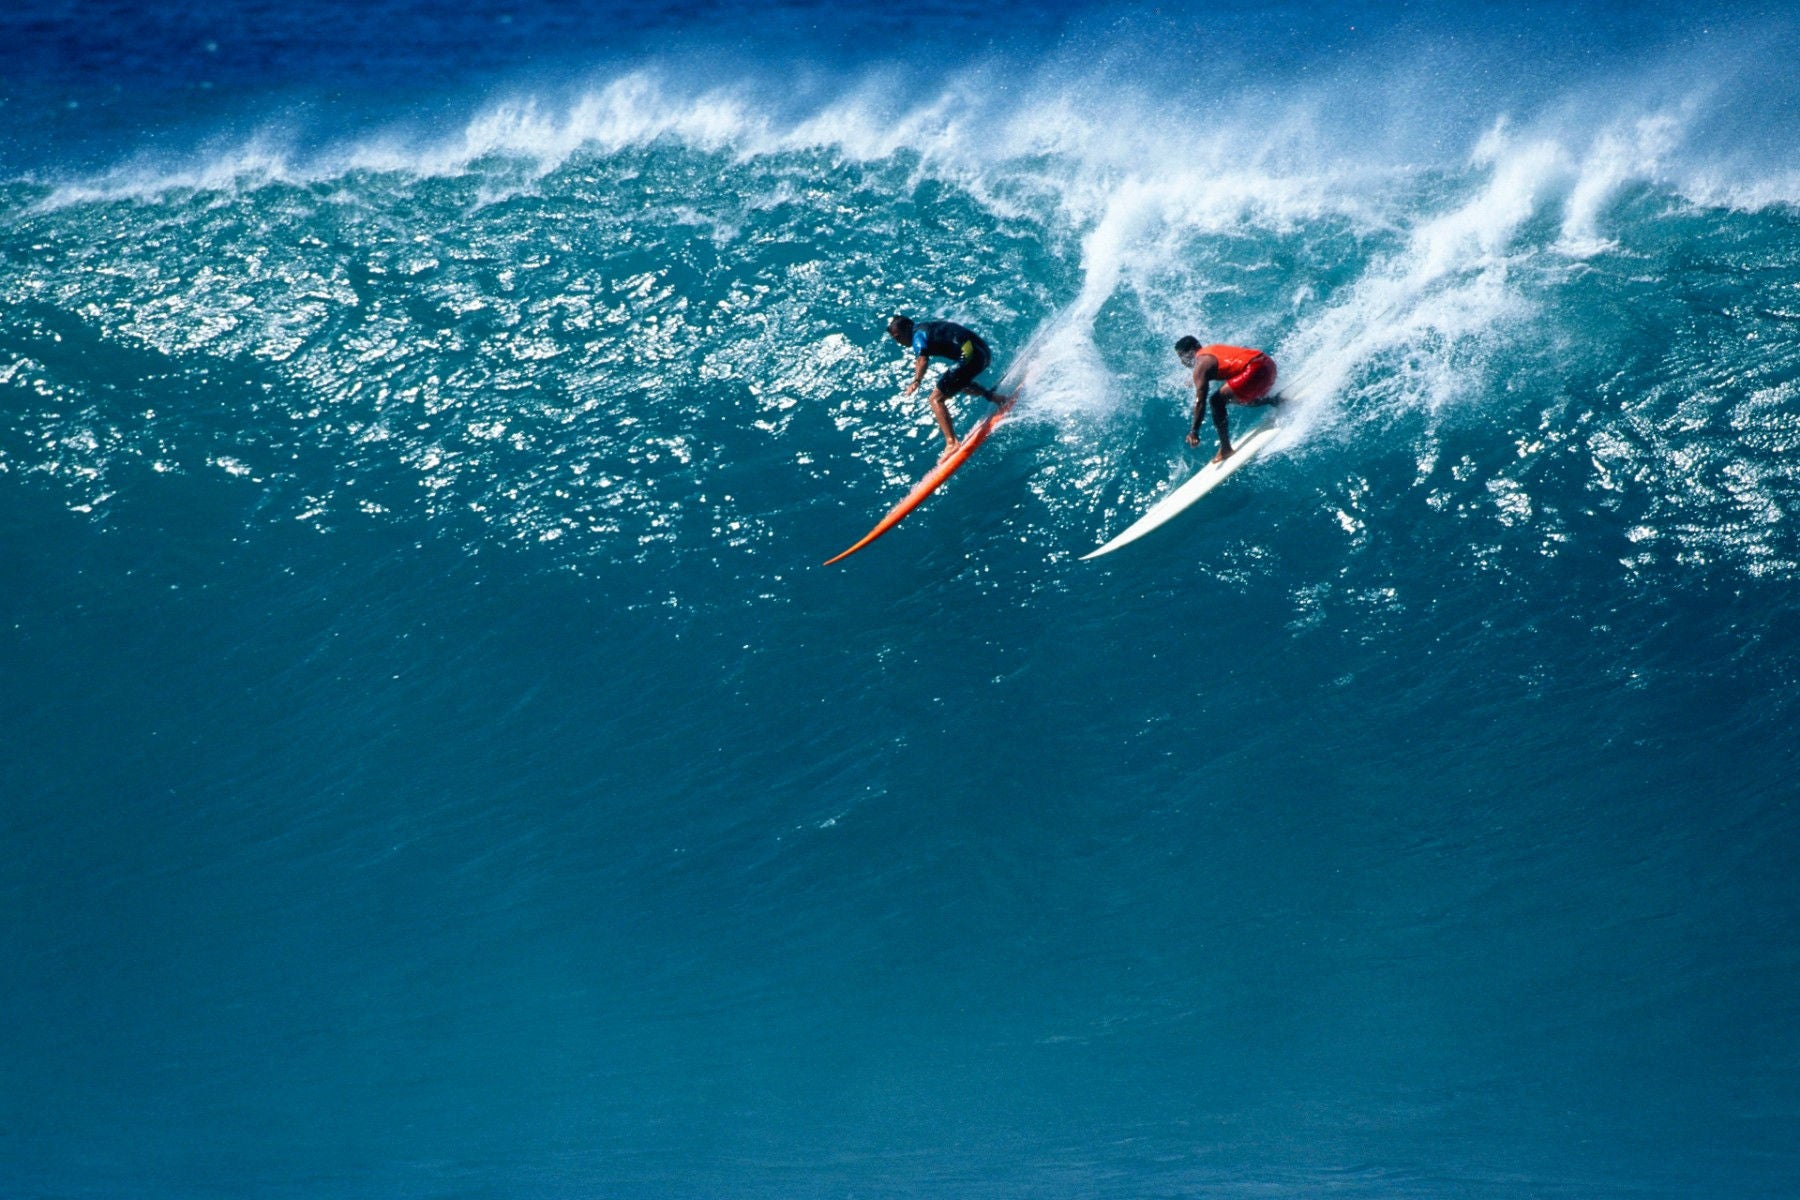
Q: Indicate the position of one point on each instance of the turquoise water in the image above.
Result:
(437, 763)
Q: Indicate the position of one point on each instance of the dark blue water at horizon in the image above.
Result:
(437, 764)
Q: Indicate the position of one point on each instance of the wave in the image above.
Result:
(416, 565)
(526, 317)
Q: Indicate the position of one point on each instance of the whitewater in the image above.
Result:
(437, 763)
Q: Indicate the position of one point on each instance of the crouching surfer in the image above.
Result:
(944, 339)
(1244, 377)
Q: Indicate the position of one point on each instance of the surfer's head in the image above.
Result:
(900, 328)
(1184, 349)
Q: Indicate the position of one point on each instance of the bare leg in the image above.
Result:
(1221, 398)
(942, 413)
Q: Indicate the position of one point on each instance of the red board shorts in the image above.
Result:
(1254, 381)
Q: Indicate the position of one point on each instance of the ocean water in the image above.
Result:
(435, 762)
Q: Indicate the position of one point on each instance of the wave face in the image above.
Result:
(436, 762)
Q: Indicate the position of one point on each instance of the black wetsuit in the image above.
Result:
(947, 339)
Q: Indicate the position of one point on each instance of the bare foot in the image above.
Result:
(949, 450)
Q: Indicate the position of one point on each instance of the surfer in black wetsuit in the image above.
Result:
(944, 339)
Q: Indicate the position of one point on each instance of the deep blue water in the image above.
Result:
(436, 764)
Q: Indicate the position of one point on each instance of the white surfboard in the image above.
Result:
(1209, 477)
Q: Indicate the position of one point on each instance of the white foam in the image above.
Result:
(1147, 187)
(1633, 150)
(265, 157)
(1412, 326)
(1080, 126)
(1023, 138)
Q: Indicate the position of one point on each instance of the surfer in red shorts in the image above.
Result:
(1244, 376)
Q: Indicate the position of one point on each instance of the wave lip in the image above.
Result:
(1081, 124)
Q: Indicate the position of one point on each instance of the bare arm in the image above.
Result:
(1205, 370)
(918, 374)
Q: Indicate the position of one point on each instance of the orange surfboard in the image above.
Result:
(933, 480)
